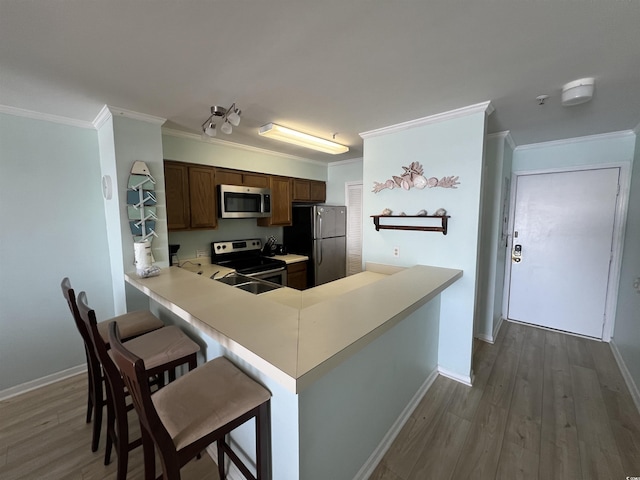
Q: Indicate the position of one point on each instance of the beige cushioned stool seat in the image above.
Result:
(131, 324)
(162, 346)
(205, 399)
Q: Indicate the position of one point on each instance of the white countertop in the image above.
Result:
(294, 336)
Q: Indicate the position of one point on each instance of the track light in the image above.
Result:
(234, 115)
(210, 130)
(227, 119)
(284, 134)
(226, 127)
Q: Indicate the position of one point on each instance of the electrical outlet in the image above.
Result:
(396, 251)
(201, 253)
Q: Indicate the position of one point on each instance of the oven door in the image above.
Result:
(277, 275)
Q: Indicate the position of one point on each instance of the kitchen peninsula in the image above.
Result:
(342, 360)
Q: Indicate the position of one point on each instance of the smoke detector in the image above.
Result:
(577, 92)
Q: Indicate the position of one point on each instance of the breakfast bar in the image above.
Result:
(345, 361)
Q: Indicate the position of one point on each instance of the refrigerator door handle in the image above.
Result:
(319, 253)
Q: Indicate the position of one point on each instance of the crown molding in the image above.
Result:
(569, 141)
(506, 135)
(143, 117)
(225, 143)
(346, 162)
(103, 116)
(47, 117)
(486, 107)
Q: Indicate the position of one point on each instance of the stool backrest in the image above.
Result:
(135, 377)
(92, 359)
(111, 372)
(70, 297)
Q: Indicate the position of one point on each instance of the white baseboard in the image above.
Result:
(491, 338)
(465, 379)
(372, 462)
(485, 338)
(41, 382)
(631, 385)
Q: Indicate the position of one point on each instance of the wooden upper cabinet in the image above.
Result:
(190, 196)
(176, 184)
(202, 197)
(281, 194)
(309, 191)
(318, 191)
(238, 177)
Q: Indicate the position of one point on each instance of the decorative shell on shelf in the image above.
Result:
(441, 212)
(422, 213)
(386, 211)
(402, 214)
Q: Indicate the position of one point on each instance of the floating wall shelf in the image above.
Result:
(443, 228)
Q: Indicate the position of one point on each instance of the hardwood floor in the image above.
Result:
(543, 406)
(43, 436)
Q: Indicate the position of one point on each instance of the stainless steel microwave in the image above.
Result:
(236, 201)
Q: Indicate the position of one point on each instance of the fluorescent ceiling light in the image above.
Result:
(284, 134)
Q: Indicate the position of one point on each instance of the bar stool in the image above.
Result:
(162, 350)
(134, 324)
(196, 410)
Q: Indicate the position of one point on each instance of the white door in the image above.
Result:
(561, 249)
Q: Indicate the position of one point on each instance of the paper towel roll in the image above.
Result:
(142, 256)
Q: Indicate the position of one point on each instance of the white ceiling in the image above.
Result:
(345, 66)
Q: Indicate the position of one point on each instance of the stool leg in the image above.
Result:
(149, 454)
(220, 458)
(263, 442)
(97, 415)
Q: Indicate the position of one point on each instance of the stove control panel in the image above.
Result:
(235, 246)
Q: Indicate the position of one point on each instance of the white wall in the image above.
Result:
(338, 174)
(450, 147)
(338, 432)
(53, 225)
(193, 150)
(626, 334)
(497, 169)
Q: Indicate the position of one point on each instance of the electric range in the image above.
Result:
(245, 257)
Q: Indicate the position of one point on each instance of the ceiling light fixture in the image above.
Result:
(284, 134)
(577, 92)
(229, 118)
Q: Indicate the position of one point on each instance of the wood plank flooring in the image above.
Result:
(43, 436)
(544, 405)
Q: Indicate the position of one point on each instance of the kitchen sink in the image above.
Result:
(248, 284)
(234, 279)
(258, 287)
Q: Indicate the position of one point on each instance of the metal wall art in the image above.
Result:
(413, 176)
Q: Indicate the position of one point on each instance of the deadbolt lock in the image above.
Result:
(516, 254)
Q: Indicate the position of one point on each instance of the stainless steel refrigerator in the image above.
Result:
(319, 232)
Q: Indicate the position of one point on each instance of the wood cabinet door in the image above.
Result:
(318, 191)
(202, 193)
(281, 196)
(301, 190)
(255, 180)
(228, 177)
(309, 190)
(176, 184)
(297, 275)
